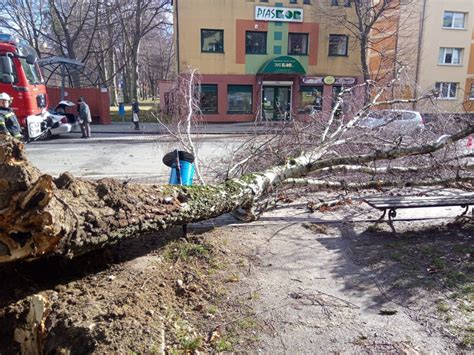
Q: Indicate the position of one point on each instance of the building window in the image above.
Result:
(298, 43)
(334, 2)
(446, 90)
(338, 45)
(450, 55)
(306, 2)
(208, 98)
(212, 41)
(239, 99)
(3, 71)
(454, 19)
(347, 3)
(311, 99)
(293, 1)
(471, 94)
(255, 42)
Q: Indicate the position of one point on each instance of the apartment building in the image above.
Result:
(264, 59)
(436, 41)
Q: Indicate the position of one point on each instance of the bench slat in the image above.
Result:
(385, 202)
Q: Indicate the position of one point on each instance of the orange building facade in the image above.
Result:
(435, 42)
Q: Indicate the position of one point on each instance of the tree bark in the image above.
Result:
(42, 215)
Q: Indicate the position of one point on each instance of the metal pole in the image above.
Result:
(180, 181)
(63, 80)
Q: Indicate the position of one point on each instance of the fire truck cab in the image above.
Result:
(21, 78)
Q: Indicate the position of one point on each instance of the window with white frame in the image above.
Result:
(446, 90)
(471, 94)
(450, 55)
(453, 19)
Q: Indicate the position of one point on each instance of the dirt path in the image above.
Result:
(319, 285)
(292, 282)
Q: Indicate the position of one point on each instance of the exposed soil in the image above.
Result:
(330, 281)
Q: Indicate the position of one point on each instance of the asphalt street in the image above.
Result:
(122, 155)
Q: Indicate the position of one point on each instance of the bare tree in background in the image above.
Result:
(156, 62)
(104, 35)
(139, 18)
(28, 19)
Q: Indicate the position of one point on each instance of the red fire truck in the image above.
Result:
(20, 77)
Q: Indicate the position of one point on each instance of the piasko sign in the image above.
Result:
(278, 14)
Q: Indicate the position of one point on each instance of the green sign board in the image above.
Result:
(279, 14)
(282, 65)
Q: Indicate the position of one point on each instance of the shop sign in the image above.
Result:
(278, 14)
(316, 80)
(282, 65)
(329, 80)
(345, 81)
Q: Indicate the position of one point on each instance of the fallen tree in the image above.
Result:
(41, 215)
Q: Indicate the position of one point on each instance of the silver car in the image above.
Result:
(401, 121)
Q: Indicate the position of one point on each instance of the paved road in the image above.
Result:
(120, 155)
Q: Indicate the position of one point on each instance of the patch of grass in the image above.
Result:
(396, 256)
(429, 250)
(438, 263)
(212, 309)
(190, 344)
(223, 344)
(186, 338)
(254, 295)
(468, 290)
(246, 323)
(454, 278)
(185, 251)
(442, 306)
(462, 249)
(466, 306)
(468, 340)
(147, 111)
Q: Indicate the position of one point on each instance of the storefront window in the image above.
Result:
(298, 43)
(212, 41)
(208, 98)
(255, 42)
(239, 99)
(338, 45)
(311, 99)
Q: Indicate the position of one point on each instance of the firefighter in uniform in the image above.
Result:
(8, 121)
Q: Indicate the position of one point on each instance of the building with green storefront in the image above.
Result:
(263, 59)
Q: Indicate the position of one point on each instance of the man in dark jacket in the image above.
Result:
(8, 121)
(85, 117)
(135, 114)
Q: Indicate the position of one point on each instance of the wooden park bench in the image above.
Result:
(392, 203)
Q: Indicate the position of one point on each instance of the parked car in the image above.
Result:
(402, 121)
(60, 121)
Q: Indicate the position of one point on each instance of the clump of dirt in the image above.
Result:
(151, 296)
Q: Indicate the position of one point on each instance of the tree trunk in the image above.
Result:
(67, 216)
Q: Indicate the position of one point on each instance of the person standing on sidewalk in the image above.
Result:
(84, 117)
(135, 114)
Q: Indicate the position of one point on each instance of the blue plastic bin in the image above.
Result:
(187, 173)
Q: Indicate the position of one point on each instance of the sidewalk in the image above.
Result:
(204, 128)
